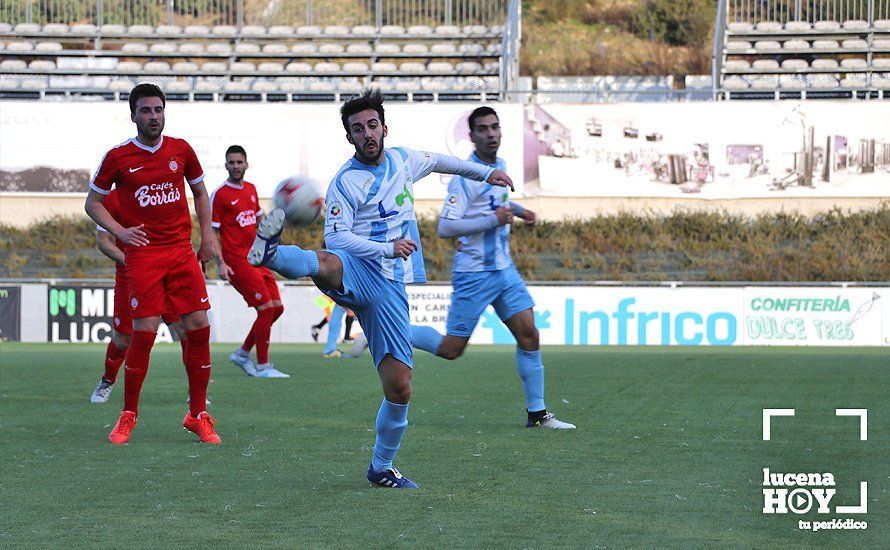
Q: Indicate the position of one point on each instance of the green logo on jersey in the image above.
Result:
(405, 194)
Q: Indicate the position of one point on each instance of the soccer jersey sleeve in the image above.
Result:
(215, 210)
(105, 176)
(458, 199)
(340, 206)
(194, 174)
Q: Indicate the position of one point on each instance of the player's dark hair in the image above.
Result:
(480, 112)
(370, 99)
(145, 90)
(236, 149)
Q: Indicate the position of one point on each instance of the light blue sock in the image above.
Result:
(392, 419)
(426, 338)
(293, 262)
(334, 326)
(531, 371)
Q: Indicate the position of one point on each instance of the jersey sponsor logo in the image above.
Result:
(234, 202)
(491, 200)
(335, 212)
(383, 213)
(204, 299)
(157, 194)
(246, 217)
(403, 196)
(136, 169)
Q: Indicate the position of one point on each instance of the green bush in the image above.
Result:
(678, 22)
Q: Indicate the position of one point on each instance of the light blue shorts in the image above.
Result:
(380, 305)
(476, 290)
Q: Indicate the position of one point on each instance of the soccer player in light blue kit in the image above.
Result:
(373, 252)
(479, 216)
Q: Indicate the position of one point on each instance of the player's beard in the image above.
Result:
(152, 133)
(365, 159)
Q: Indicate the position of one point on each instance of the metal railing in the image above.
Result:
(754, 11)
(510, 47)
(256, 12)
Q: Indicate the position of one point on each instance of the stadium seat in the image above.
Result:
(20, 46)
(826, 45)
(134, 47)
(163, 47)
(364, 30)
(139, 30)
(474, 30)
(281, 30)
(364, 49)
(826, 26)
(121, 85)
(434, 84)
(185, 67)
(768, 26)
(386, 49)
(392, 30)
(854, 63)
(322, 86)
(253, 30)
(224, 30)
(880, 44)
(196, 30)
(55, 28)
(736, 65)
(84, 29)
(737, 46)
(48, 47)
(236, 86)
(26, 28)
(796, 45)
(798, 26)
(112, 29)
(264, 86)
(447, 30)
(471, 49)
(415, 49)
(7, 85)
(440, 67)
(40, 65)
(795, 64)
(330, 48)
(219, 48)
(349, 86)
(156, 67)
(494, 49)
(822, 81)
(855, 25)
(824, 64)
(213, 67)
(882, 24)
(443, 48)
(383, 67)
(496, 30)
(13, 65)
(308, 30)
(767, 45)
(168, 30)
(881, 62)
(735, 83)
(335, 30)
(129, 67)
(468, 67)
(191, 48)
(420, 30)
(326, 67)
(492, 67)
(412, 67)
(270, 67)
(207, 86)
(298, 67)
(765, 83)
(5, 28)
(765, 65)
(33, 84)
(292, 86)
(854, 44)
(355, 67)
(792, 82)
(853, 81)
(242, 67)
(179, 86)
(247, 48)
(739, 27)
(304, 48)
(276, 48)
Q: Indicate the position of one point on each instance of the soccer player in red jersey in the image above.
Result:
(122, 331)
(150, 172)
(235, 208)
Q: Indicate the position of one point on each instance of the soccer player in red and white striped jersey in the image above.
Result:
(236, 208)
(150, 172)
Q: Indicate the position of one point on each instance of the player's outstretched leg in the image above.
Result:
(114, 358)
(426, 338)
(336, 321)
(392, 420)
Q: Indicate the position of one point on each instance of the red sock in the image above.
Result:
(262, 330)
(279, 311)
(184, 344)
(114, 358)
(197, 367)
(138, 357)
(250, 340)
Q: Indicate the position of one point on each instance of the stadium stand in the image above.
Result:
(281, 52)
(792, 49)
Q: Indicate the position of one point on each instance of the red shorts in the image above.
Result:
(123, 321)
(256, 284)
(158, 275)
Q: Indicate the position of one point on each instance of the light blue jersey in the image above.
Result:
(487, 250)
(376, 203)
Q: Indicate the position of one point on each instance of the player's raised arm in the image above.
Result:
(423, 163)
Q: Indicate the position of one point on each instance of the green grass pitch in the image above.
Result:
(668, 451)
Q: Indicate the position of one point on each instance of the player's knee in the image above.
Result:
(121, 341)
(451, 353)
(528, 339)
(399, 392)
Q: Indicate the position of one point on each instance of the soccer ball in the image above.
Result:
(300, 198)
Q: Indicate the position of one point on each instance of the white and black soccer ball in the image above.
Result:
(301, 199)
